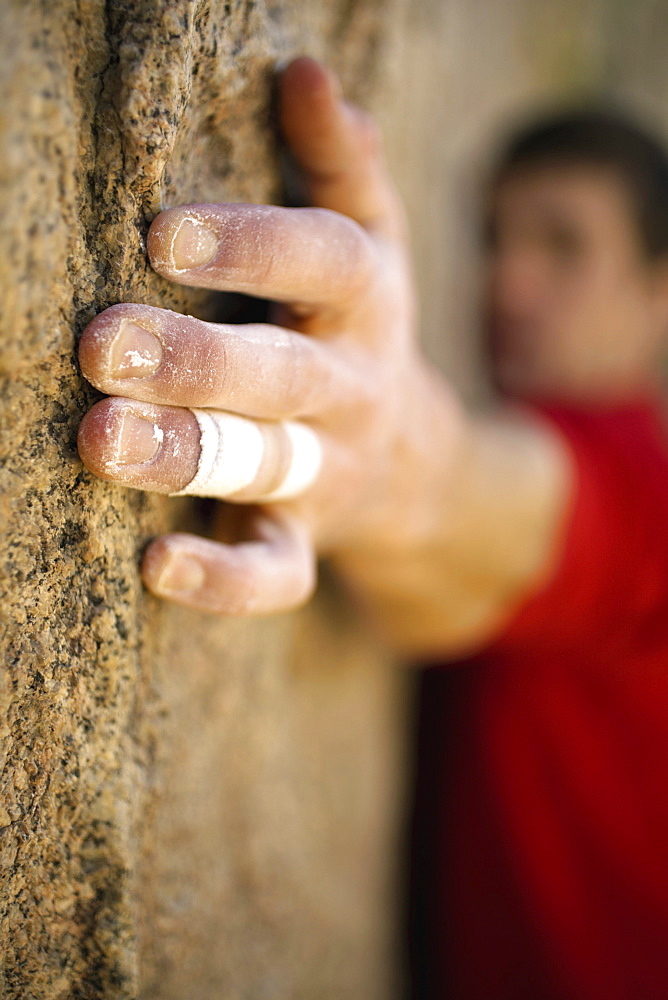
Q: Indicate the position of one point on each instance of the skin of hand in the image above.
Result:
(402, 501)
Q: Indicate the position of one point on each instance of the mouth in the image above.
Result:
(512, 338)
(512, 350)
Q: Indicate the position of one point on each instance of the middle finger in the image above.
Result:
(259, 370)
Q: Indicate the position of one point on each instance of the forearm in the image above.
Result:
(478, 511)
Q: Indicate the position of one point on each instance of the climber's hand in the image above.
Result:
(338, 361)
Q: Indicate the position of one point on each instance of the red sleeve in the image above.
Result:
(612, 569)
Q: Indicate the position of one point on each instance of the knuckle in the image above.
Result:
(365, 382)
(254, 247)
(371, 397)
(370, 412)
(355, 253)
(296, 371)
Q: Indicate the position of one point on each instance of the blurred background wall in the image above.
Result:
(190, 807)
(463, 72)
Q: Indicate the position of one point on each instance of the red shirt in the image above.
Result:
(552, 868)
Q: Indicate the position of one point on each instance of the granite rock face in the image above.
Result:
(188, 807)
(192, 808)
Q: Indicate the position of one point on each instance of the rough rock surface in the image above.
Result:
(188, 807)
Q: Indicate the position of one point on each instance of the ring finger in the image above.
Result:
(203, 452)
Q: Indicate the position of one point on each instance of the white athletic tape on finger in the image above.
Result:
(231, 450)
(305, 464)
(231, 453)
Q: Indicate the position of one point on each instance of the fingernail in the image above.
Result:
(180, 573)
(135, 352)
(139, 440)
(194, 245)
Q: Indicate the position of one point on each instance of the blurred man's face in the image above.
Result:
(574, 310)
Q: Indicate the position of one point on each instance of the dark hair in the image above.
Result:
(605, 137)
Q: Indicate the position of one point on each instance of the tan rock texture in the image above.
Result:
(191, 808)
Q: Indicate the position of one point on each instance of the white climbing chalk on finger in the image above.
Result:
(233, 450)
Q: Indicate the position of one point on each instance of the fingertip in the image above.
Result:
(186, 569)
(142, 445)
(160, 237)
(170, 570)
(329, 136)
(305, 78)
(96, 426)
(184, 239)
(95, 343)
(151, 561)
(272, 574)
(88, 351)
(311, 112)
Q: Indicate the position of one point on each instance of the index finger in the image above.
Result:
(302, 256)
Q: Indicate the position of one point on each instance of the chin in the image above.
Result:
(516, 382)
(519, 380)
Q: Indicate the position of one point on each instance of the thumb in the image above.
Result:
(338, 148)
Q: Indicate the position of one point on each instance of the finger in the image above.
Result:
(303, 256)
(274, 572)
(135, 444)
(200, 452)
(159, 356)
(338, 147)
